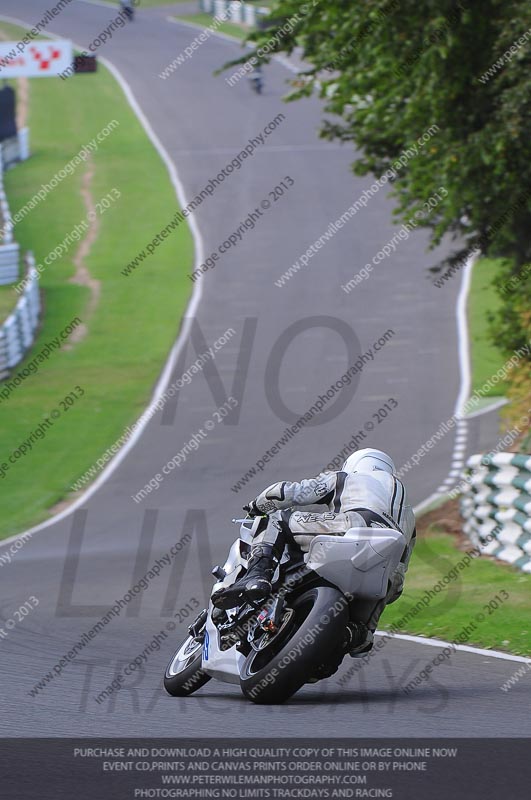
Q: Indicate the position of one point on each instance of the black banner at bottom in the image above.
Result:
(147, 769)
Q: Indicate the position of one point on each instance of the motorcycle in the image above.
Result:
(303, 631)
(257, 82)
(128, 10)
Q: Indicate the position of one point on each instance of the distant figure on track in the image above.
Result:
(256, 79)
(128, 9)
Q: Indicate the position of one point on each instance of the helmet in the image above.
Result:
(367, 460)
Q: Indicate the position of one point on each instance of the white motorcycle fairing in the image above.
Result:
(360, 563)
(224, 664)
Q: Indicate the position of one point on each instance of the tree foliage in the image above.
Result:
(390, 70)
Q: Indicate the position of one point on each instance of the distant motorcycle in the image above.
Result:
(299, 635)
(257, 82)
(128, 10)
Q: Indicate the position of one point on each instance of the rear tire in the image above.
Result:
(183, 674)
(313, 635)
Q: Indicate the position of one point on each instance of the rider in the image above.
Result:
(256, 76)
(127, 7)
(364, 493)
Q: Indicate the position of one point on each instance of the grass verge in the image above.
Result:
(206, 21)
(149, 3)
(136, 318)
(155, 3)
(506, 628)
(486, 358)
(8, 301)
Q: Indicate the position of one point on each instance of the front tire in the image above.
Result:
(309, 637)
(184, 675)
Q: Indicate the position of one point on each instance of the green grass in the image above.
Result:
(148, 3)
(508, 628)
(154, 3)
(205, 21)
(137, 318)
(8, 301)
(486, 358)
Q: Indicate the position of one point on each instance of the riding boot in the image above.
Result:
(255, 585)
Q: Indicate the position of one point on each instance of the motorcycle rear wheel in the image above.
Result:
(309, 637)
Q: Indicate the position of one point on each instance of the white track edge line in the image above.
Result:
(492, 407)
(464, 372)
(465, 647)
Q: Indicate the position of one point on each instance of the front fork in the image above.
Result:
(197, 628)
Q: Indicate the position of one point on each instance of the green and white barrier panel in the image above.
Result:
(17, 333)
(9, 249)
(232, 11)
(496, 506)
(11, 151)
(16, 148)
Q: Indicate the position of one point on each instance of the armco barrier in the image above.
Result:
(497, 498)
(11, 151)
(16, 149)
(243, 13)
(9, 250)
(17, 333)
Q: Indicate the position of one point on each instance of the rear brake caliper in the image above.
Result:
(266, 623)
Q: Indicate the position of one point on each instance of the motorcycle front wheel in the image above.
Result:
(309, 637)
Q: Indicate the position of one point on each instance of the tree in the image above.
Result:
(391, 70)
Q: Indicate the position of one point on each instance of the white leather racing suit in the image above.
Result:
(353, 500)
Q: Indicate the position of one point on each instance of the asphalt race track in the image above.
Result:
(96, 555)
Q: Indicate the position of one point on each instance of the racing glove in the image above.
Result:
(252, 509)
